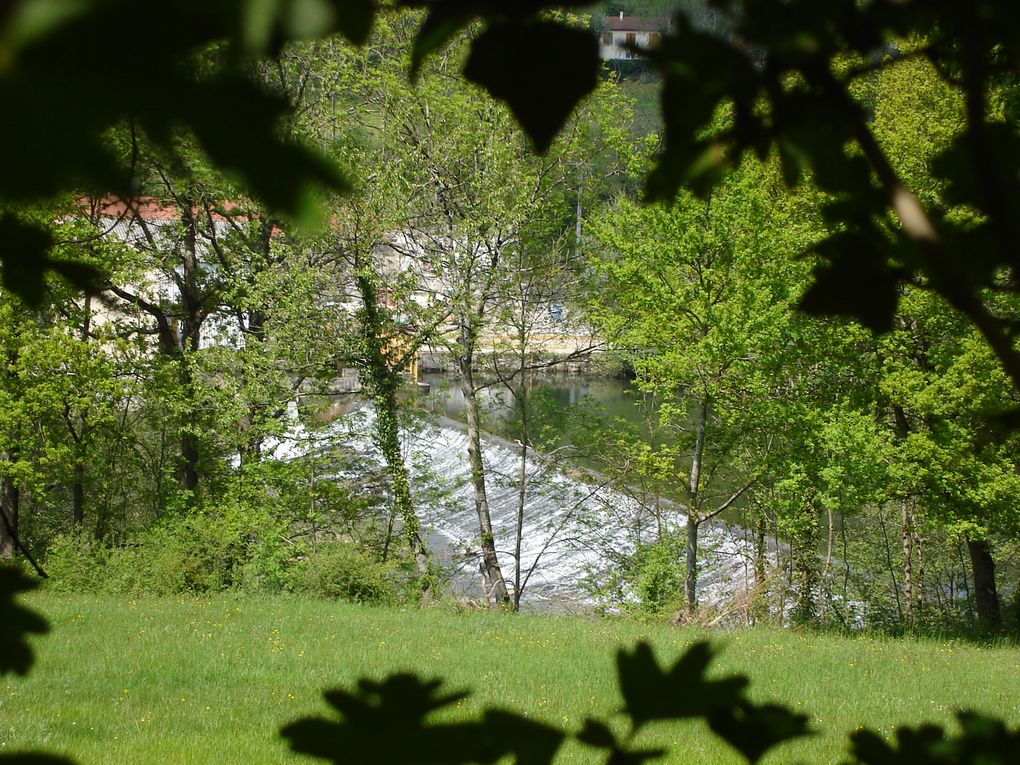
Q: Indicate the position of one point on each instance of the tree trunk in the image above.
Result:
(387, 433)
(693, 518)
(383, 382)
(804, 562)
(490, 560)
(691, 569)
(759, 605)
(522, 489)
(10, 501)
(920, 594)
(907, 533)
(189, 463)
(986, 597)
(889, 563)
(78, 493)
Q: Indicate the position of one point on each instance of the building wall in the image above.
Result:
(613, 44)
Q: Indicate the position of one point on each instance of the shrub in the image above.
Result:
(657, 573)
(203, 551)
(340, 570)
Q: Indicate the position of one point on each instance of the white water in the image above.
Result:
(573, 527)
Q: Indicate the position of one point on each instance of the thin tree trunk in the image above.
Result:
(387, 433)
(382, 382)
(919, 591)
(522, 490)
(759, 609)
(189, 463)
(693, 517)
(10, 506)
(908, 554)
(691, 572)
(490, 561)
(522, 487)
(889, 564)
(804, 564)
(78, 493)
(823, 584)
(966, 583)
(986, 597)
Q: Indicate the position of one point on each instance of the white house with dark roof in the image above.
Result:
(622, 31)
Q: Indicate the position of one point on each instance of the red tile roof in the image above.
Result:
(150, 209)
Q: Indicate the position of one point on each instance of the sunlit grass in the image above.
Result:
(212, 680)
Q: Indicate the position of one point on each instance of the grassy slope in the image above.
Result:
(211, 680)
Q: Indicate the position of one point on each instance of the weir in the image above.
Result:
(576, 527)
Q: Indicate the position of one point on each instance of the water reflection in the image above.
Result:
(614, 399)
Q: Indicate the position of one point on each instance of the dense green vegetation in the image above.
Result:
(140, 424)
(177, 287)
(233, 670)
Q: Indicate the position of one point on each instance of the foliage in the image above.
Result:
(203, 551)
(649, 582)
(342, 571)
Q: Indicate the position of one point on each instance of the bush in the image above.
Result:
(648, 582)
(340, 570)
(204, 551)
(657, 573)
(75, 562)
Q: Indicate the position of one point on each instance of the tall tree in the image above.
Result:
(697, 297)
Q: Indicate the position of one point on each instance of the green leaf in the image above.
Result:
(540, 102)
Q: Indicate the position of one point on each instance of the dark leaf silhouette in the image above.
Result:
(982, 740)
(753, 729)
(55, 137)
(24, 252)
(540, 103)
(400, 705)
(855, 281)
(25, 257)
(18, 623)
(597, 734)
(446, 17)
(650, 693)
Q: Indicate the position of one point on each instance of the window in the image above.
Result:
(607, 38)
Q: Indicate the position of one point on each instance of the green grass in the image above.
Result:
(212, 680)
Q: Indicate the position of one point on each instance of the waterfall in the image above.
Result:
(576, 527)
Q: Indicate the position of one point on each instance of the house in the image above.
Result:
(622, 32)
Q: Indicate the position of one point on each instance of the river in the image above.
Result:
(578, 526)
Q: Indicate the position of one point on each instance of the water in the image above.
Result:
(576, 527)
(613, 399)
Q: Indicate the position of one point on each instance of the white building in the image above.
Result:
(622, 32)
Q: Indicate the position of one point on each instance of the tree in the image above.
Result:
(696, 296)
(479, 199)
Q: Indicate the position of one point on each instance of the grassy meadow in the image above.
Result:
(211, 680)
